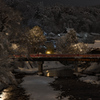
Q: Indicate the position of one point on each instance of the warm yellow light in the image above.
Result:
(48, 52)
(47, 71)
(4, 95)
(48, 74)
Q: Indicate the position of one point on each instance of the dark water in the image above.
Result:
(62, 72)
(65, 81)
(14, 92)
(70, 86)
(76, 89)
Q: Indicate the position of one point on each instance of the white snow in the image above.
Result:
(26, 70)
(94, 67)
(52, 64)
(14, 46)
(39, 89)
(38, 86)
(95, 34)
(90, 79)
(47, 65)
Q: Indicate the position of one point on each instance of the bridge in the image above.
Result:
(57, 57)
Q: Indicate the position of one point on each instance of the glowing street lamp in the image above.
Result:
(48, 52)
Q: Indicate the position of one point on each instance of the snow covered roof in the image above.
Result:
(90, 45)
(97, 41)
(95, 45)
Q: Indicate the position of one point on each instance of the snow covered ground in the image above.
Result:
(39, 89)
(38, 86)
(90, 79)
(93, 68)
(47, 65)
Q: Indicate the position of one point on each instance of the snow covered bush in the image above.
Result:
(69, 44)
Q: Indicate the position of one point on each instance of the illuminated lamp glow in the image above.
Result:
(48, 52)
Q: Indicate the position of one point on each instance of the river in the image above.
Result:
(60, 84)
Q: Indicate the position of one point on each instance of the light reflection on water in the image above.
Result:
(5, 94)
(58, 73)
(48, 74)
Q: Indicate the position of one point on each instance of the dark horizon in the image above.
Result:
(69, 2)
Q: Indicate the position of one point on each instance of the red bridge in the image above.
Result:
(58, 57)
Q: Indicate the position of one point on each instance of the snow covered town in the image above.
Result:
(49, 51)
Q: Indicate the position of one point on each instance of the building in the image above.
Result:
(96, 45)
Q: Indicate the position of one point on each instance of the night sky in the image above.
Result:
(70, 2)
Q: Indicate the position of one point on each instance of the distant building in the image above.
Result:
(96, 45)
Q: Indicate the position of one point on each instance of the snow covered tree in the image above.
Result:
(36, 39)
(65, 41)
(69, 44)
(79, 48)
(10, 30)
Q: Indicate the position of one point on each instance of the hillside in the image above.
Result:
(56, 18)
(65, 2)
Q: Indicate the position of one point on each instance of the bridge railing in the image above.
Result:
(58, 55)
